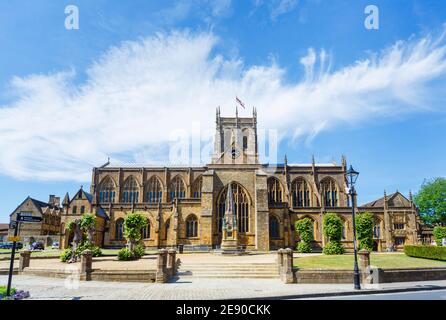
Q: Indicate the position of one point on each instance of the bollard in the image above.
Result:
(364, 266)
(24, 260)
(161, 275)
(86, 264)
(171, 262)
(280, 260)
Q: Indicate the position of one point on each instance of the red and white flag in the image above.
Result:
(240, 102)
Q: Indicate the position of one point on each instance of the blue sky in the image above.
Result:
(134, 60)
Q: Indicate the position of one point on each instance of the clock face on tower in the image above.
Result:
(235, 153)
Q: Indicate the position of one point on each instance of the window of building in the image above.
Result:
(192, 227)
(82, 209)
(145, 232)
(119, 229)
(196, 188)
(245, 143)
(300, 193)
(241, 207)
(177, 189)
(74, 209)
(399, 241)
(130, 191)
(26, 214)
(398, 226)
(330, 192)
(274, 227)
(274, 191)
(154, 191)
(377, 231)
(107, 191)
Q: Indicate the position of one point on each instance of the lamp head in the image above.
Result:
(351, 176)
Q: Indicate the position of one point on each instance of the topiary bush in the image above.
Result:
(439, 234)
(333, 247)
(427, 252)
(332, 224)
(364, 230)
(125, 254)
(66, 255)
(304, 229)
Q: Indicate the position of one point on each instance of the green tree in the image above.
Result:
(332, 224)
(133, 223)
(88, 225)
(439, 234)
(304, 229)
(431, 201)
(364, 230)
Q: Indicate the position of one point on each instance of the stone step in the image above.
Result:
(232, 276)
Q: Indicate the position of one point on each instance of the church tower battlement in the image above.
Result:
(235, 139)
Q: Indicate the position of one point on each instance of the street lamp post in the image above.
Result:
(351, 176)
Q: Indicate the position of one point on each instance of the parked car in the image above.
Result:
(55, 245)
(8, 245)
(36, 246)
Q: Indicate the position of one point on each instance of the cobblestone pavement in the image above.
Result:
(187, 289)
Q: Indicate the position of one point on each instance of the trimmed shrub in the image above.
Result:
(139, 251)
(304, 247)
(439, 234)
(304, 229)
(66, 255)
(333, 247)
(333, 231)
(364, 230)
(125, 255)
(426, 252)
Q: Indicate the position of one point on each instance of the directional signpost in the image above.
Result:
(15, 225)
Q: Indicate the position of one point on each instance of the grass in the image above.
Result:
(3, 290)
(385, 261)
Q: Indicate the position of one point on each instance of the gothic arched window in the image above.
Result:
(145, 232)
(245, 142)
(275, 193)
(330, 192)
(107, 191)
(241, 207)
(196, 188)
(130, 191)
(192, 226)
(177, 189)
(154, 191)
(119, 229)
(274, 227)
(300, 193)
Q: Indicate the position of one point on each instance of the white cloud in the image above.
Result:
(276, 7)
(140, 92)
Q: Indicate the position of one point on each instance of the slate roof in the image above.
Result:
(393, 200)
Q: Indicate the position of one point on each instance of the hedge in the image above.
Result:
(427, 252)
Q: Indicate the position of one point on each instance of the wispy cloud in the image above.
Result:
(139, 92)
(276, 7)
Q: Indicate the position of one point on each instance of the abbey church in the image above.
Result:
(186, 205)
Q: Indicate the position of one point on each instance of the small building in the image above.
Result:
(47, 231)
(74, 209)
(4, 227)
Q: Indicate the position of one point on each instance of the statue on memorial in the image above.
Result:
(77, 238)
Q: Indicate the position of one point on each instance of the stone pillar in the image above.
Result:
(364, 266)
(86, 264)
(171, 262)
(287, 268)
(280, 260)
(24, 260)
(161, 275)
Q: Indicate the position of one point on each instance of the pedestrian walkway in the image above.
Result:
(191, 289)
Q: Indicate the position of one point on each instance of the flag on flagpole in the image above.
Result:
(240, 102)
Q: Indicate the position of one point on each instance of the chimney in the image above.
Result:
(53, 200)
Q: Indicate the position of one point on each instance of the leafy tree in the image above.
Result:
(133, 223)
(333, 231)
(304, 229)
(431, 201)
(364, 230)
(88, 225)
(439, 234)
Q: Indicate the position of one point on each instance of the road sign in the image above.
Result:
(29, 219)
(14, 239)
